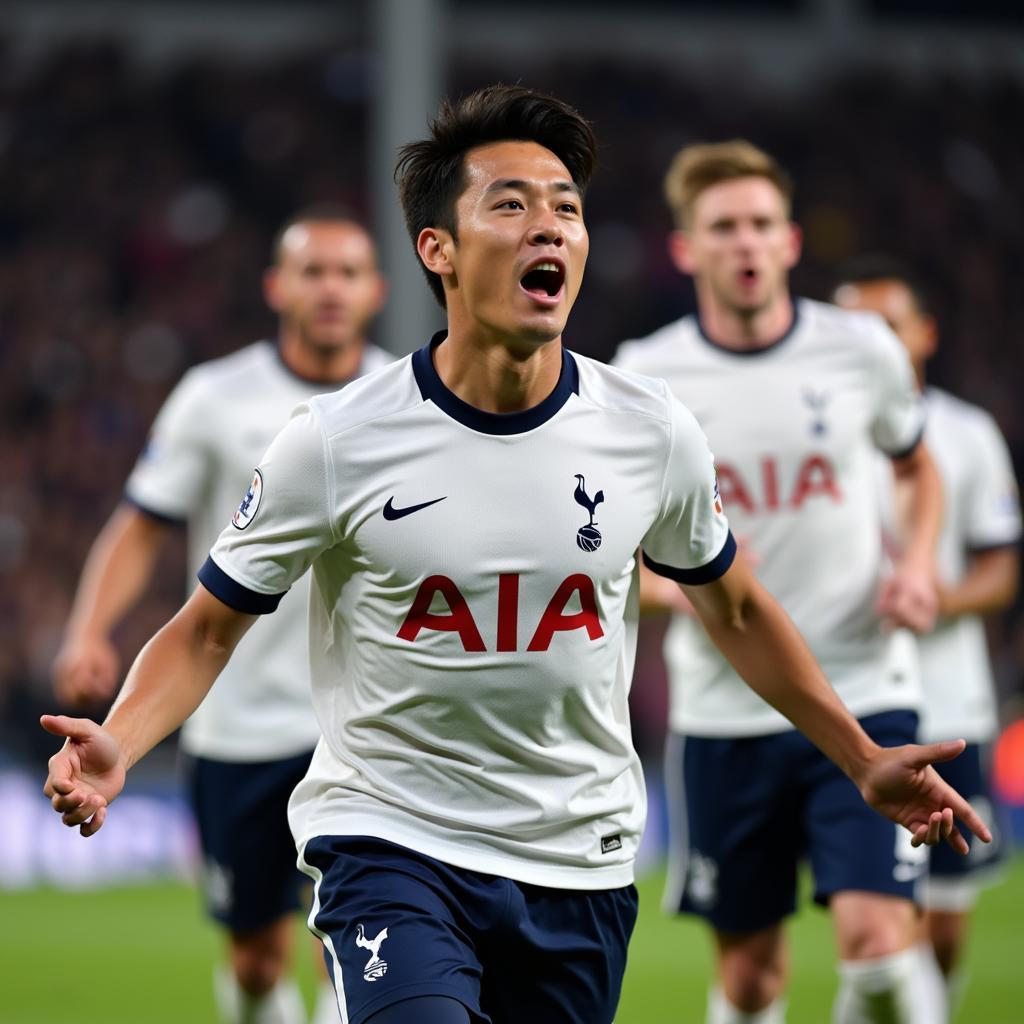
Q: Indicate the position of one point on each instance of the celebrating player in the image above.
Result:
(471, 515)
(795, 398)
(250, 742)
(979, 565)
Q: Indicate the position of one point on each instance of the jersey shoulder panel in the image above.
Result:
(388, 391)
(615, 389)
(824, 319)
(967, 416)
(235, 373)
(647, 355)
(375, 358)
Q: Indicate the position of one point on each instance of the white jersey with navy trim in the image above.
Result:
(473, 610)
(795, 428)
(981, 511)
(211, 431)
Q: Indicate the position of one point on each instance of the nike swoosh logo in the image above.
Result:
(390, 512)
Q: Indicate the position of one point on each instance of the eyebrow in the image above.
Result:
(519, 185)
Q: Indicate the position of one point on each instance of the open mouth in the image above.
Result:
(543, 281)
(748, 275)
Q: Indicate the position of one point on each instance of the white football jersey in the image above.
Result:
(473, 608)
(211, 431)
(981, 510)
(795, 428)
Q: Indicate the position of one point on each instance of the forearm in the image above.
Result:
(119, 565)
(766, 649)
(172, 675)
(989, 586)
(924, 508)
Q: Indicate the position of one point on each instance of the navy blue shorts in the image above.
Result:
(745, 812)
(397, 924)
(954, 880)
(249, 877)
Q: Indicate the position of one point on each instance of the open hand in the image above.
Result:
(85, 774)
(902, 784)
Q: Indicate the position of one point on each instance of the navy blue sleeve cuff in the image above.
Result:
(707, 573)
(998, 545)
(151, 513)
(910, 449)
(233, 594)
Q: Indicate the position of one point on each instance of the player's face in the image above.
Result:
(517, 266)
(326, 284)
(895, 303)
(740, 244)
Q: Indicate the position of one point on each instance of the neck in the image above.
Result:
(494, 374)
(330, 365)
(742, 330)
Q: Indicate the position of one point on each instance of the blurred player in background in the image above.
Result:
(250, 743)
(978, 569)
(471, 515)
(796, 397)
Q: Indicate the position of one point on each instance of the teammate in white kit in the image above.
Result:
(978, 568)
(796, 398)
(251, 740)
(471, 516)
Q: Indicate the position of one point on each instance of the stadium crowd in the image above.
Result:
(136, 211)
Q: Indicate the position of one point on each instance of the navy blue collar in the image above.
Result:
(744, 352)
(433, 389)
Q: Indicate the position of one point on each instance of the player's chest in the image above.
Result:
(482, 508)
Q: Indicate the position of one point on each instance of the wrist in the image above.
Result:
(859, 760)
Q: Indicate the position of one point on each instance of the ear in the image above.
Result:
(272, 288)
(794, 245)
(930, 327)
(435, 248)
(680, 254)
(383, 289)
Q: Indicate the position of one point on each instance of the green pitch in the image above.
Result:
(144, 956)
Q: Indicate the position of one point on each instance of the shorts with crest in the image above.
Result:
(397, 924)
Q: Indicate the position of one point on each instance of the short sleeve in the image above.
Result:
(171, 475)
(284, 521)
(690, 540)
(993, 503)
(898, 409)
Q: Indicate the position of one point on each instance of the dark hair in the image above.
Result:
(882, 267)
(430, 175)
(316, 213)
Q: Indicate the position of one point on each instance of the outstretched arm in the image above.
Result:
(762, 644)
(167, 682)
(119, 566)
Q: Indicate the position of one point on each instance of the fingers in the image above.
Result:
(969, 816)
(95, 823)
(929, 753)
(938, 829)
(78, 729)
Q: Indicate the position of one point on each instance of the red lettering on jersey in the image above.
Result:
(553, 621)
(770, 479)
(508, 611)
(732, 489)
(815, 477)
(459, 621)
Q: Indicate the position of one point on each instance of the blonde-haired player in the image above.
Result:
(796, 398)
